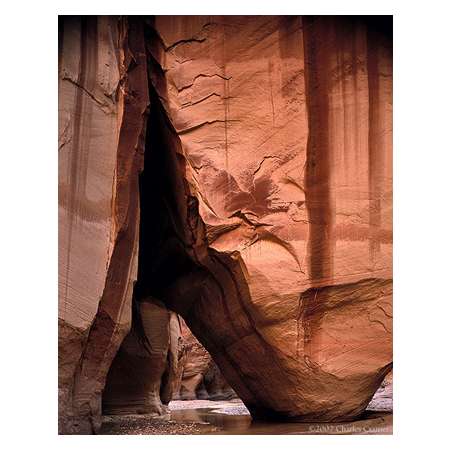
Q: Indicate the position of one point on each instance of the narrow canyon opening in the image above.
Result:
(162, 254)
(245, 201)
(160, 359)
(180, 275)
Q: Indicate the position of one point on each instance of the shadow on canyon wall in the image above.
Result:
(157, 209)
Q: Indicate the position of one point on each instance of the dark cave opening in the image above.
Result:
(170, 252)
(143, 375)
(138, 375)
(162, 254)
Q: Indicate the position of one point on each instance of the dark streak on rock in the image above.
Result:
(107, 332)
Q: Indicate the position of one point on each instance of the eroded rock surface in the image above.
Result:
(266, 203)
(102, 110)
(142, 376)
(200, 378)
(383, 398)
(285, 130)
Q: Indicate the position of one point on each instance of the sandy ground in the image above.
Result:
(232, 417)
(231, 407)
(141, 424)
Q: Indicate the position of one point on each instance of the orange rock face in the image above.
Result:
(263, 214)
(285, 125)
(101, 131)
(143, 374)
(200, 378)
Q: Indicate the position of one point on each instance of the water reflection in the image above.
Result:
(370, 423)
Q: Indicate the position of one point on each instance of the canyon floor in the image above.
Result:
(232, 417)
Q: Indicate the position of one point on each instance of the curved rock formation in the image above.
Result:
(200, 378)
(266, 203)
(195, 366)
(143, 374)
(285, 127)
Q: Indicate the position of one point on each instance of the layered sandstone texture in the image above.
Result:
(262, 215)
(102, 109)
(143, 375)
(285, 132)
(200, 378)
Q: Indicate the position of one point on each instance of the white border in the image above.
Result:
(29, 231)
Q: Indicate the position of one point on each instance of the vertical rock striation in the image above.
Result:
(142, 376)
(103, 100)
(266, 210)
(285, 130)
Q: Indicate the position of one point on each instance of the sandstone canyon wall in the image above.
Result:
(240, 170)
(102, 108)
(199, 376)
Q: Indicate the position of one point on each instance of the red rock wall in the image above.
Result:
(285, 126)
(102, 112)
(142, 376)
(200, 378)
(271, 229)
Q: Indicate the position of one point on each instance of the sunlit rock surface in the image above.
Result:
(264, 211)
(285, 126)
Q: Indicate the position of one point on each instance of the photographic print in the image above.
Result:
(225, 224)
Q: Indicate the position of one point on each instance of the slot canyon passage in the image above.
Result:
(225, 215)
